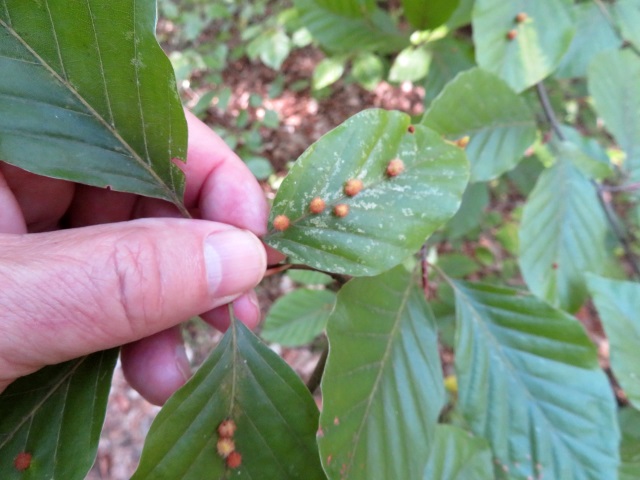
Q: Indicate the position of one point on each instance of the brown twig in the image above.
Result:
(318, 371)
(620, 233)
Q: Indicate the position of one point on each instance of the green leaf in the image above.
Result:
(471, 212)
(56, 415)
(327, 72)
(618, 304)
(371, 30)
(593, 35)
(423, 14)
(298, 317)
(449, 57)
(616, 92)
(308, 277)
(529, 382)
(627, 14)
(90, 99)
(563, 235)
(368, 70)
(629, 420)
(540, 43)
(260, 167)
(348, 8)
(585, 153)
(272, 47)
(456, 455)
(411, 65)
(391, 218)
(244, 380)
(383, 387)
(500, 125)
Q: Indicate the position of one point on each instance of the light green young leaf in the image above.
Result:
(309, 277)
(89, 99)
(616, 92)
(564, 234)
(383, 387)
(629, 420)
(529, 382)
(411, 65)
(391, 217)
(327, 72)
(56, 415)
(593, 35)
(368, 70)
(541, 39)
(272, 47)
(297, 318)
(585, 153)
(244, 380)
(498, 121)
(457, 455)
(618, 304)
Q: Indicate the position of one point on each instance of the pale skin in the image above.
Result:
(122, 271)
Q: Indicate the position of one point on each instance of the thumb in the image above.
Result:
(69, 293)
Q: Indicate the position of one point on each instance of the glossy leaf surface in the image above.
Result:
(498, 122)
(56, 415)
(563, 235)
(275, 415)
(391, 217)
(90, 99)
(539, 41)
(618, 304)
(298, 317)
(382, 387)
(456, 455)
(529, 382)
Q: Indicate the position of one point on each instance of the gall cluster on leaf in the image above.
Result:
(317, 205)
(22, 461)
(226, 446)
(353, 187)
(281, 223)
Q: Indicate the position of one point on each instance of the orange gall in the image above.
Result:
(227, 428)
(521, 17)
(395, 167)
(463, 141)
(234, 460)
(22, 461)
(411, 129)
(281, 223)
(225, 447)
(317, 205)
(353, 187)
(341, 210)
(512, 34)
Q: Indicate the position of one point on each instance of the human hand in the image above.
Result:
(117, 277)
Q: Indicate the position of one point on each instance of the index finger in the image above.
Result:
(219, 184)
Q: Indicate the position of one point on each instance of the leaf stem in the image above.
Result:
(318, 371)
(622, 235)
